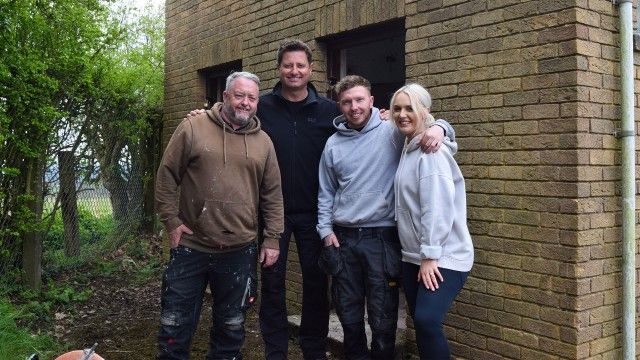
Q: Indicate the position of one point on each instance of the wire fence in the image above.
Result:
(69, 213)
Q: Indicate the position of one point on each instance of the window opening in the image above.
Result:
(215, 80)
(374, 52)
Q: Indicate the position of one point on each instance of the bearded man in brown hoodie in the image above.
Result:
(227, 171)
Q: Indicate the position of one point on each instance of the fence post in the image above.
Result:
(32, 243)
(68, 199)
(152, 153)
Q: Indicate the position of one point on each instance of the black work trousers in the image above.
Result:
(367, 271)
(314, 324)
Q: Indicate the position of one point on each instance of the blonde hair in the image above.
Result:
(420, 100)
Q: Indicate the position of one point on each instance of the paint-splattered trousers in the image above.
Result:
(365, 270)
(231, 277)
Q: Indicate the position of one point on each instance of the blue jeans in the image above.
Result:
(365, 270)
(314, 324)
(231, 277)
(428, 308)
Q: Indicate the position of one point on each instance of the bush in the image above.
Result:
(38, 306)
(92, 229)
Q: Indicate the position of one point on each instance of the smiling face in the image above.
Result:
(408, 120)
(356, 103)
(240, 101)
(294, 70)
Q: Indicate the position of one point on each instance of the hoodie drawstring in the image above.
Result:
(246, 147)
(217, 116)
(224, 142)
(399, 171)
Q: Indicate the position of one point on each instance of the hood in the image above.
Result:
(252, 127)
(340, 123)
(216, 117)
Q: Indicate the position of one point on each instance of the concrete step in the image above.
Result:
(336, 336)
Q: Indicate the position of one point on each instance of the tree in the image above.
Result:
(73, 76)
(45, 49)
(125, 116)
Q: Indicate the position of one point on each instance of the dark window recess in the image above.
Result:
(375, 52)
(215, 80)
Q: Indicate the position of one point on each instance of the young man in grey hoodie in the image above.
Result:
(356, 220)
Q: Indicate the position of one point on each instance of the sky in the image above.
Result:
(140, 4)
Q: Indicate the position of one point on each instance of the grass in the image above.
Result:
(97, 204)
(18, 343)
(105, 249)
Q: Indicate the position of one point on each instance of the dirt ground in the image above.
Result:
(123, 319)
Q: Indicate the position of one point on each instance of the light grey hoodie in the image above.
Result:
(431, 208)
(356, 174)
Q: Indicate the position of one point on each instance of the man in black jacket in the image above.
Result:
(299, 122)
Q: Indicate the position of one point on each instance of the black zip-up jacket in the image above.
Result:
(299, 139)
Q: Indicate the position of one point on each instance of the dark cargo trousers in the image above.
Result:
(315, 301)
(366, 269)
(231, 277)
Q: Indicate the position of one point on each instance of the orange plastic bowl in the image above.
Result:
(77, 354)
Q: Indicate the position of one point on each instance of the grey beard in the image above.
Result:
(240, 120)
(236, 119)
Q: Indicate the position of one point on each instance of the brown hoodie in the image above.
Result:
(225, 177)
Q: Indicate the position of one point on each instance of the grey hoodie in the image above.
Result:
(431, 208)
(356, 174)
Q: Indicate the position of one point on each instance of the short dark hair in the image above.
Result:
(351, 81)
(294, 45)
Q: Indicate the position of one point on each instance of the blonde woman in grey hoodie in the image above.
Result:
(437, 252)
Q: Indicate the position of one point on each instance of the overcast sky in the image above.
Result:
(141, 3)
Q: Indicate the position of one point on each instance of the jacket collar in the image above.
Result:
(312, 96)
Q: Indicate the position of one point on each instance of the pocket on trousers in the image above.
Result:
(391, 259)
(330, 260)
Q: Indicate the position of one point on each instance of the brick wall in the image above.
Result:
(532, 89)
